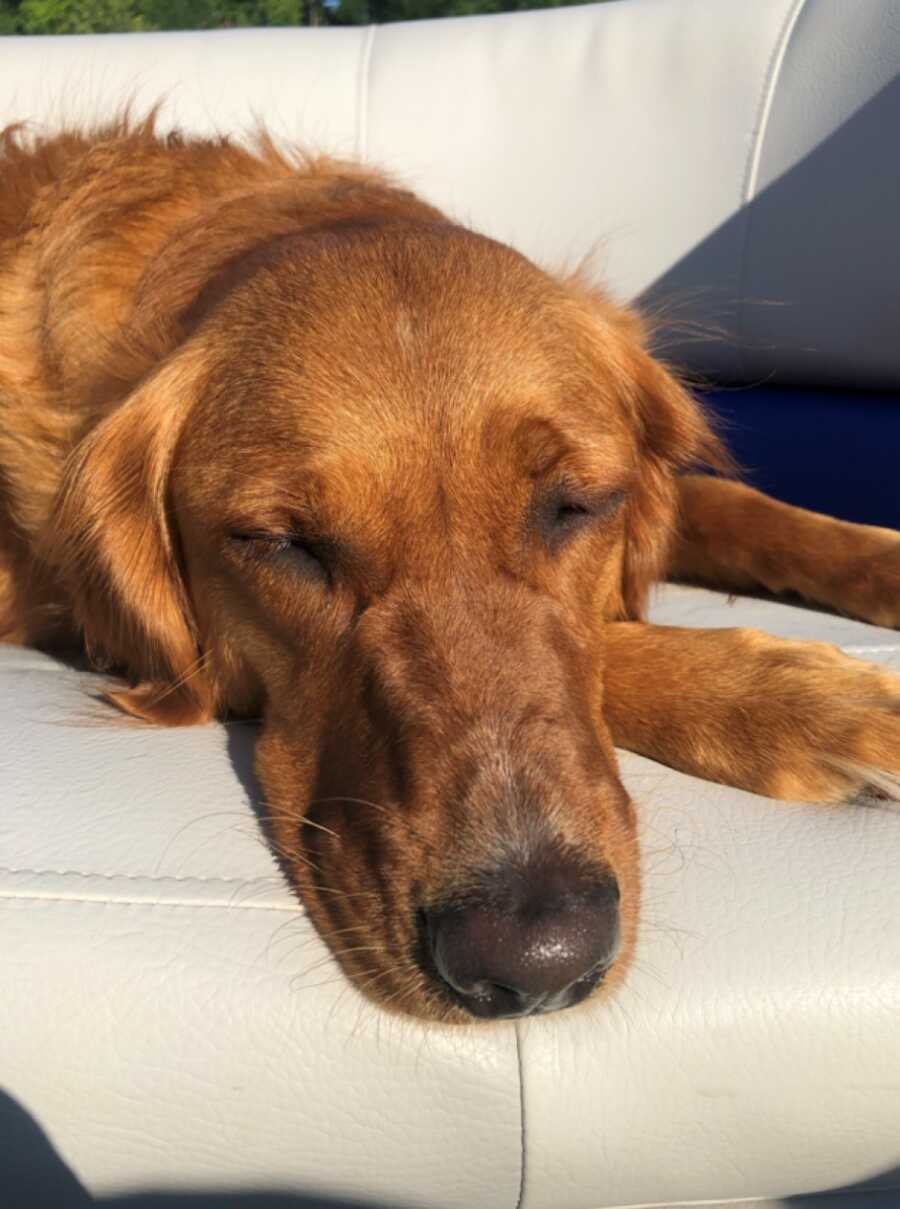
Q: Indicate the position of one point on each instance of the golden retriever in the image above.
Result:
(280, 440)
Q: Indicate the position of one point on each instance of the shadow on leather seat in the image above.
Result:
(34, 1176)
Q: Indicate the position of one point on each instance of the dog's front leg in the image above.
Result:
(800, 721)
(734, 537)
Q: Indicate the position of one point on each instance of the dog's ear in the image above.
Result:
(675, 437)
(673, 434)
(112, 546)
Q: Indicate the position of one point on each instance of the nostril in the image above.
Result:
(526, 950)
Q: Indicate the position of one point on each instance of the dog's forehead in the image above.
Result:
(405, 365)
(417, 336)
(389, 437)
(418, 311)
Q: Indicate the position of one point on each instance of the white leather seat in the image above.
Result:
(168, 1019)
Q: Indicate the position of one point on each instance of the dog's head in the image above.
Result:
(386, 492)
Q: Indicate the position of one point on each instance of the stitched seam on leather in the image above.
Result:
(754, 156)
(133, 877)
(362, 112)
(521, 1197)
(143, 902)
(767, 98)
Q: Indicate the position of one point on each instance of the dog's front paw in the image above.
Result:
(872, 587)
(833, 724)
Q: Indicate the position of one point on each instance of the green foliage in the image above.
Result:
(8, 18)
(217, 14)
(77, 16)
(108, 16)
(105, 16)
(357, 12)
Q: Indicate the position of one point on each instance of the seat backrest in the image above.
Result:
(733, 163)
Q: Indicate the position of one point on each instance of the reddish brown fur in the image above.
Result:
(206, 351)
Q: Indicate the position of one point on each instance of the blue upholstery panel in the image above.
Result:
(832, 451)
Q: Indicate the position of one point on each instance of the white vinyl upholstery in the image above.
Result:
(168, 1018)
(171, 1020)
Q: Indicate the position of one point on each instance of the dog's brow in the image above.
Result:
(282, 501)
(586, 489)
(602, 466)
(587, 448)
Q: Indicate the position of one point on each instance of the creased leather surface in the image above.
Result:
(756, 1048)
(732, 163)
(170, 1019)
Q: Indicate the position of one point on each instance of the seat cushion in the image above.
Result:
(171, 1020)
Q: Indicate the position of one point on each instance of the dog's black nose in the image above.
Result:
(524, 944)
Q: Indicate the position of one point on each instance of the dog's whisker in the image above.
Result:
(305, 822)
(300, 820)
(345, 952)
(250, 889)
(193, 670)
(395, 816)
(376, 975)
(319, 889)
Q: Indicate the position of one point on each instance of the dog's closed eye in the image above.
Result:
(563, 512)
(292, 552)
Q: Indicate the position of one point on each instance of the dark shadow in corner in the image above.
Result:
(783, 225)
(236, 1200)
(880, 1192)
(34, 1176)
